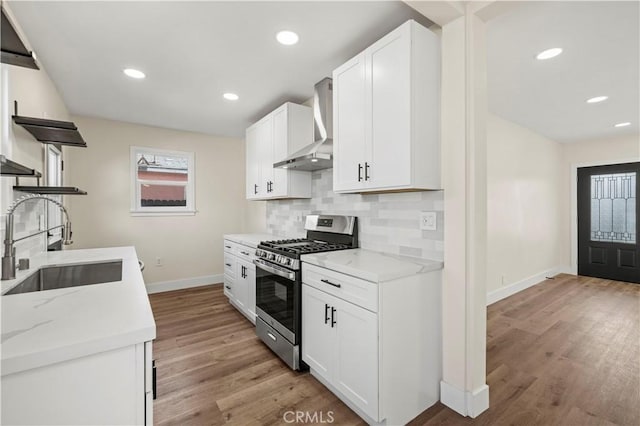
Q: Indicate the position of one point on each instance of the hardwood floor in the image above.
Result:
(213, 370)
(564, 352)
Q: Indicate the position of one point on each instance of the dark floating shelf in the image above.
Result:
(51, 190)
(51, 131)
(11, 168)
(13, 50)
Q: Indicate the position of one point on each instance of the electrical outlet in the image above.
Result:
(428, 221)
(158, 261)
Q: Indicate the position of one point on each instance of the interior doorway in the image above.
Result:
(608, 216)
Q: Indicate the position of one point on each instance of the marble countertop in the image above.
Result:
(371, 265)
(251, 240)
(46, 327)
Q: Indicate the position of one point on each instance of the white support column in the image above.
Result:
(464, 108)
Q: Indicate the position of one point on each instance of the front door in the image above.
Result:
(608, 215)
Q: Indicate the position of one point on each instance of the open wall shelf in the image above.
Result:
(51, 190)
(11, 168)
(51, 131)
(13, 50)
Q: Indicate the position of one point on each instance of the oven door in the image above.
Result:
(278, 298)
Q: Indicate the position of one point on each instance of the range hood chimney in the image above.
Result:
(318, 155)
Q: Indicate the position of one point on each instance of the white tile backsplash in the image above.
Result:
(26, 221)
(387, 222)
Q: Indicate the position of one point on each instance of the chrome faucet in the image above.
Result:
(9, 257)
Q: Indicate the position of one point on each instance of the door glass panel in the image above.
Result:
(613, 208)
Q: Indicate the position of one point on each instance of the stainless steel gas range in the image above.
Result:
(279, 281)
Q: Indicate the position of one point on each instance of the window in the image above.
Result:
(162, 182)
(53, 177)
(613, 208)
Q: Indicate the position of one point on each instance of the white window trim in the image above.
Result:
(55, 234)
(137, 209)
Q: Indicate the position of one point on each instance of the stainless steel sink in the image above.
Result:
(53, 277)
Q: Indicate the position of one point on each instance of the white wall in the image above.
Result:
(189, 246)
(531, 202)
(525, 205)
(37, 97)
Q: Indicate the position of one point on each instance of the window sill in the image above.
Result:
(135, 213)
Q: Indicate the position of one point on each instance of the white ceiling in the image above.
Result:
(601, 43)
(193, 52)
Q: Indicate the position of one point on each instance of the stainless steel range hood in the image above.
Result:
(318, 155)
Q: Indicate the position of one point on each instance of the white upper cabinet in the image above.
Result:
(282, 132)
(252, 157)
(387, 115)
(349, 124)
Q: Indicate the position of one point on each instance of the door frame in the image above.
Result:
(574, 201)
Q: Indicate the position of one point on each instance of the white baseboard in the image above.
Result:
(466, 403)
(511, 289)
(159, 287)
(565, 270)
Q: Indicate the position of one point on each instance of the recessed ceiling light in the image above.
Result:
(549, 53)
(287, 37)
(597, 99)
(231, 96)
(625, 124)
(133, 73)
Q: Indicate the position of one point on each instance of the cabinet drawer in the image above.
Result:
(354, 290)
(244, 252)
(228, 286)
(228, 246)
(229, 265)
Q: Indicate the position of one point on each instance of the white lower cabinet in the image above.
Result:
(340, 343)
(376, 345)
(246, 284)
(113, 387)
(240, 278)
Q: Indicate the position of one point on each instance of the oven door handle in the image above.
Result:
(280, 272)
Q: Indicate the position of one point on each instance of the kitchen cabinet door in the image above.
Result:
(250, 278)
(240, 287)
(318, 336)
(253, 169)
(356, 374)
(265, 156)
(389, 78)
(280, 136)
(350, 125)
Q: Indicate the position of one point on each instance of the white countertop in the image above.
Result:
(371, 265)
(251, 240)
(45, 327)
